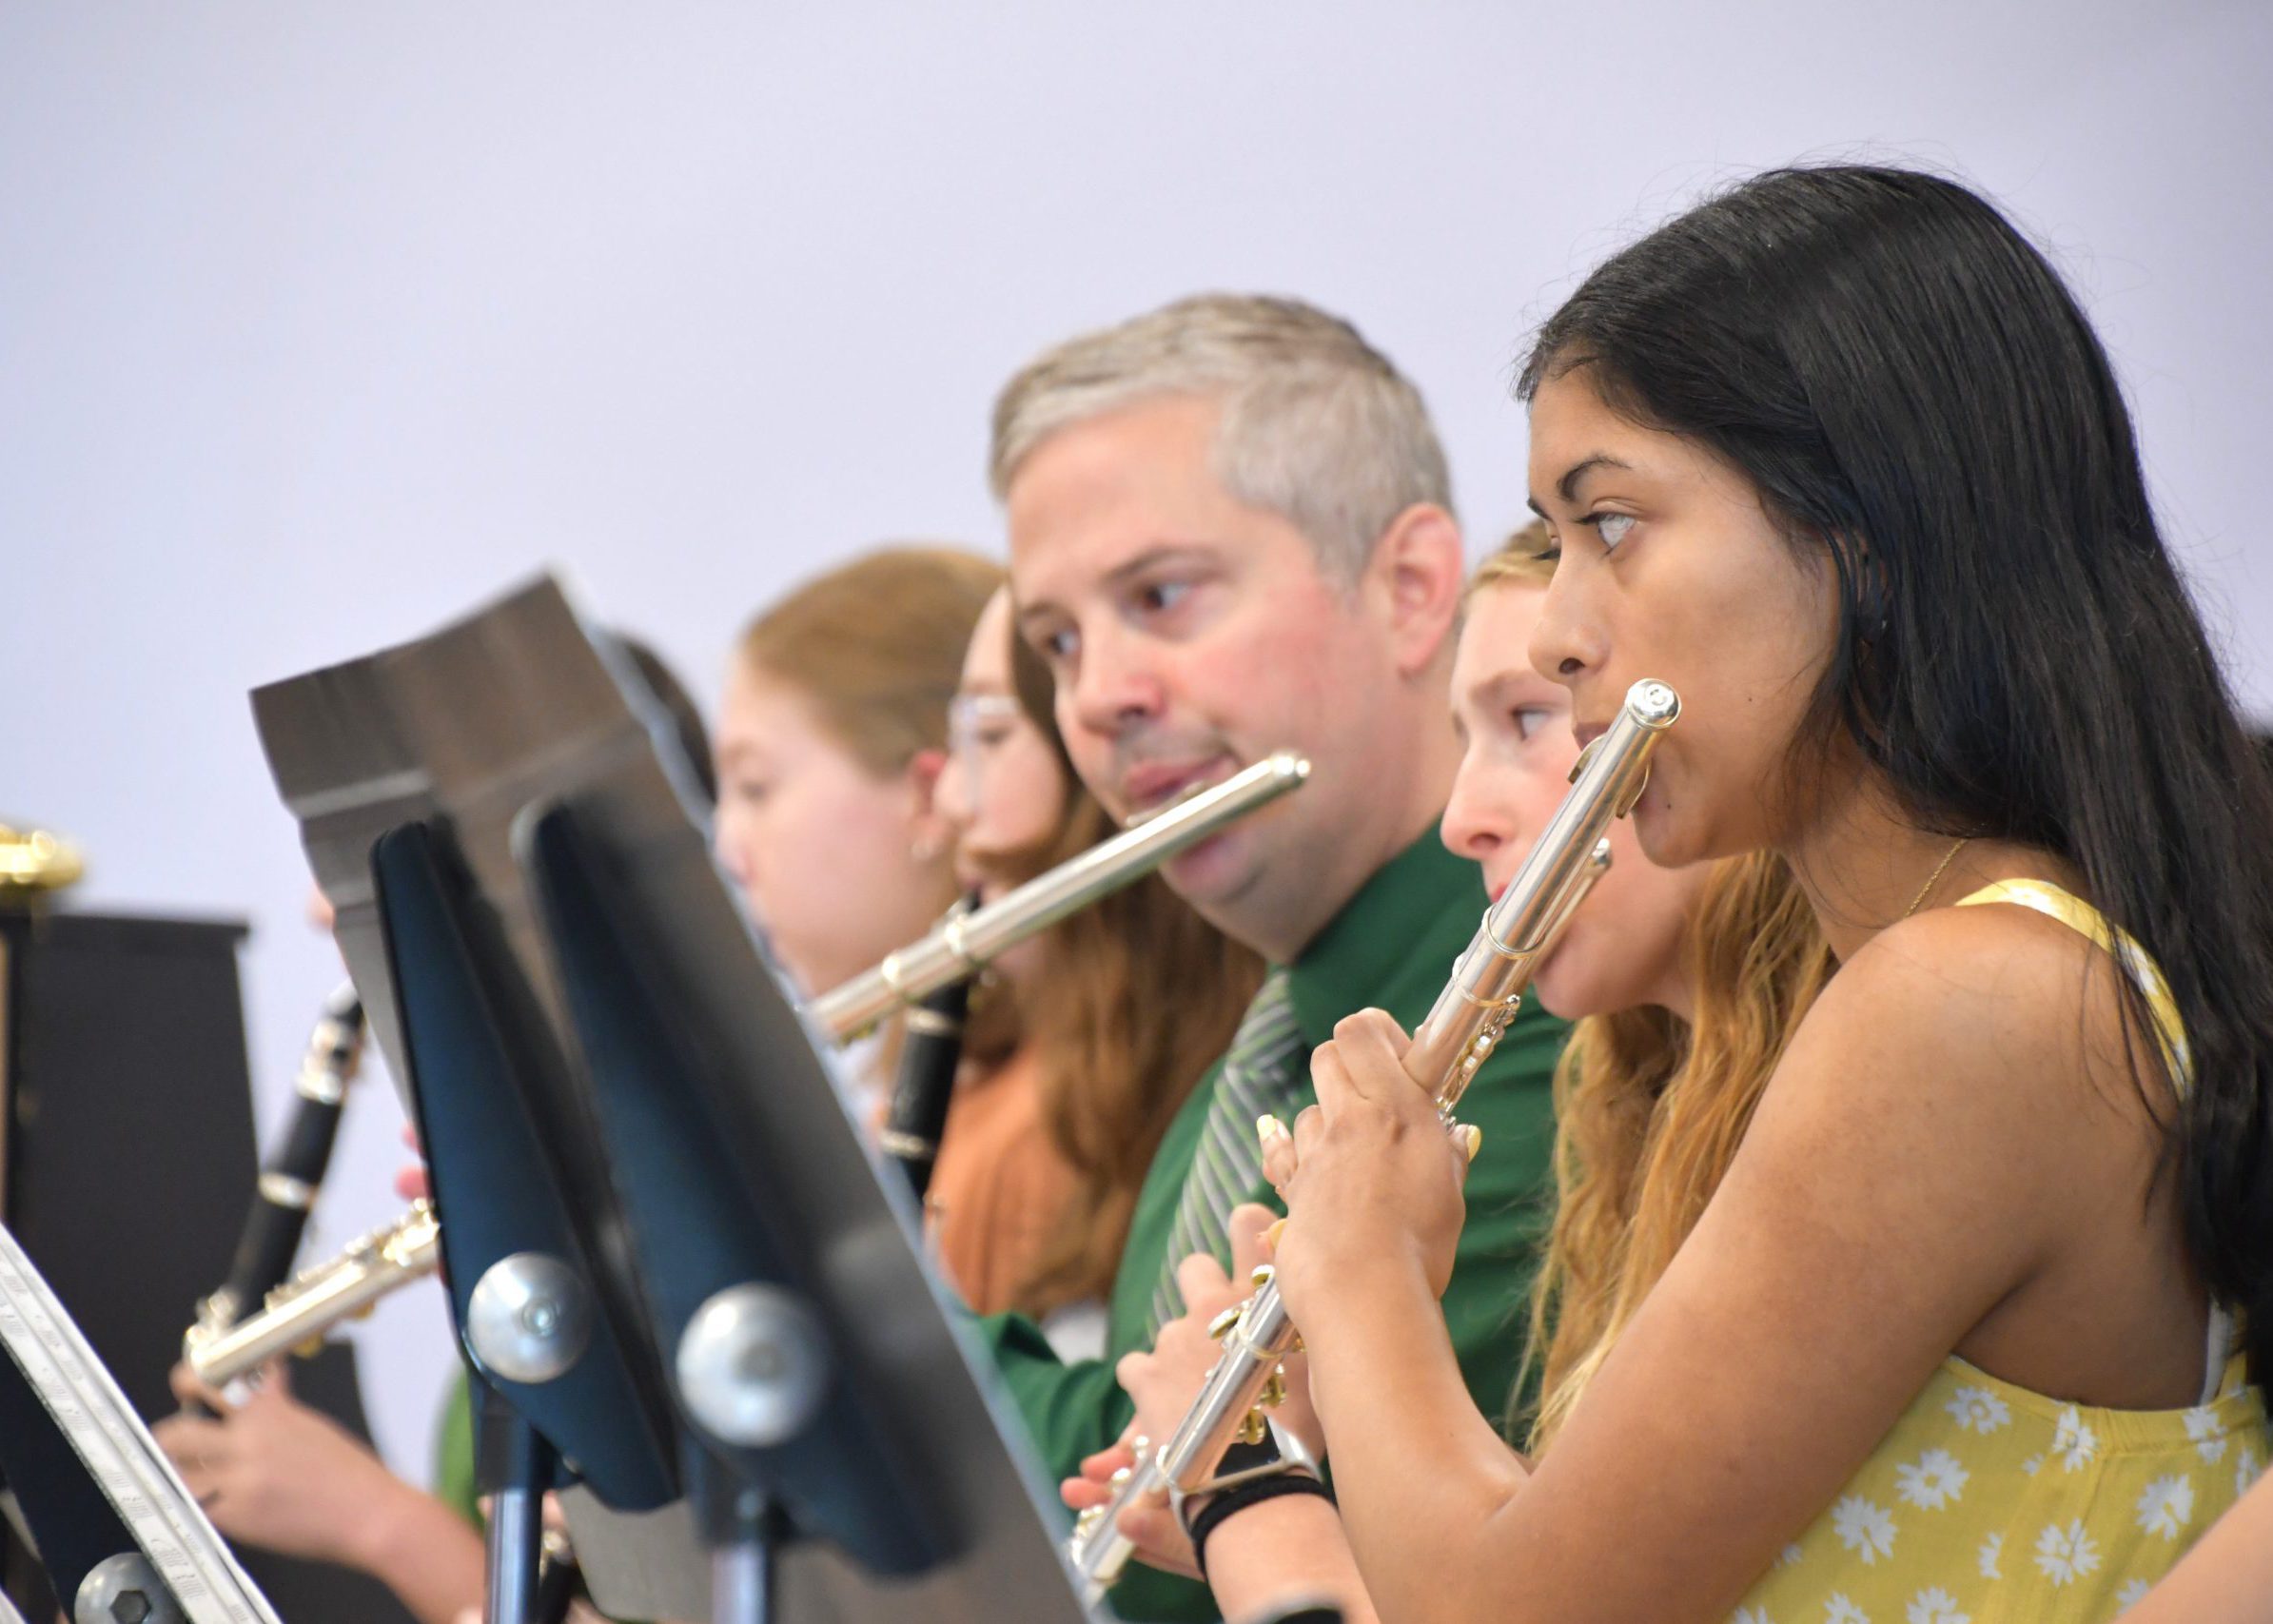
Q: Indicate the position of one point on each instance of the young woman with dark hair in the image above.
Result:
(1838, 456)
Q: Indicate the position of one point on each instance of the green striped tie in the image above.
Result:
(1260, 1074)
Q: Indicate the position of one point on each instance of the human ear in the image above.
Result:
(1418, 571)
(929, 834)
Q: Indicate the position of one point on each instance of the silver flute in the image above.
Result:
(1483, 996)
(961, 946)
(298, 1312)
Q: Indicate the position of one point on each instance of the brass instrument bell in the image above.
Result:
(34, 862)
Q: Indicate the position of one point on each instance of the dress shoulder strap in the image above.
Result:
(2077, 914)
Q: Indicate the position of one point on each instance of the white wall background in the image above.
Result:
(318, 321)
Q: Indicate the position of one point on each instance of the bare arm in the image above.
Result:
(423, 1551)
(1914, 1161)
(2227, 1577)
(273, 1473)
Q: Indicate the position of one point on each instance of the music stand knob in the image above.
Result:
(529, 1317)
(753, 1366)
(124, 1589)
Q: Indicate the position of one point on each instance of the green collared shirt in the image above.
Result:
(1392, 948)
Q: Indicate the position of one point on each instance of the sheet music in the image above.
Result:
(118, 1452)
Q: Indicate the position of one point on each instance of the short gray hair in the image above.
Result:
(1317, 425)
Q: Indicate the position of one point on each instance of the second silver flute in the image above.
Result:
(303, 1308)
(1485, 989)
(964, 946)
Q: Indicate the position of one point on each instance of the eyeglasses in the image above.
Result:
(976, 719)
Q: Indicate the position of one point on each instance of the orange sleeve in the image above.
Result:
(999, 1189)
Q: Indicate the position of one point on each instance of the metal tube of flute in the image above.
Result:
(1485, 989)
(960, 948)
(302, 1310)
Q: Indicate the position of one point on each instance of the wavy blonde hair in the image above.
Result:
(1649, 1108)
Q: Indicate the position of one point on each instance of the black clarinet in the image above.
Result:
(932, 1049)
(559, 1582)
(292, 1177)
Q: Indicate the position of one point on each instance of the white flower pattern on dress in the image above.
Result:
(2095, 1504)
(1751, 1615)
(1789, 1558)
(1979, 1410)
(2202, 1426)
(1864, 1528)
(1932, 1481)
(2166, 1506)
(1936, 1606)
(2065, 1554)
(2074, 1442)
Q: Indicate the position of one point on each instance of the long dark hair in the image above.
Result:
(1913, 389)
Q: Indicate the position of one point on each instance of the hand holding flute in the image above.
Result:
(1377, 1141)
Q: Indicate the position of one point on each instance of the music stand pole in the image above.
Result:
(517, 1467)
(743, 1566)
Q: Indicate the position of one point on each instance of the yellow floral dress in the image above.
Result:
(1991, 1504)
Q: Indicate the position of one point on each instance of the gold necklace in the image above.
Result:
(1935, 878)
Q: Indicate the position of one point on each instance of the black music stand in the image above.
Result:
(568, 1391)
(405, 769)
(742, 1170)
(817, 1366)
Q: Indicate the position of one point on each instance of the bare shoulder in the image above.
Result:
(2028, 998)
(1985, 1037)
(2005, 982)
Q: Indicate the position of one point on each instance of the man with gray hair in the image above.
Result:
(1231, 532)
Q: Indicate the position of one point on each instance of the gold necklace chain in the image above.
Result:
(1935, 878)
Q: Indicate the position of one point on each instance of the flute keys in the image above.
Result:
(1274, 1389)
(1225, 1323)
(1253, 1428)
